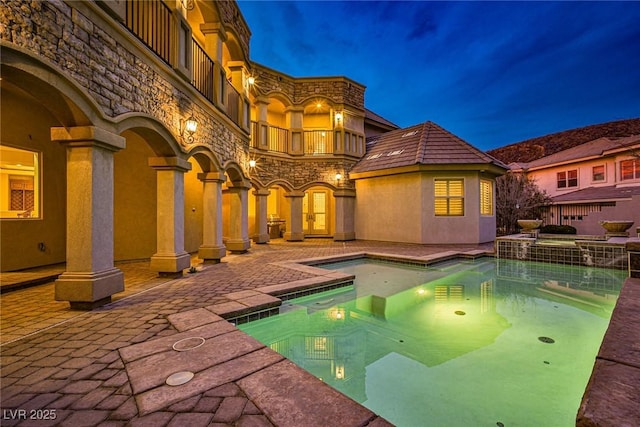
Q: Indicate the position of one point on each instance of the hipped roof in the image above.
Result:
(597, 148)
(598, 194)
(423, 144)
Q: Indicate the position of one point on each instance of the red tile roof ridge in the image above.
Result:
(422, 144)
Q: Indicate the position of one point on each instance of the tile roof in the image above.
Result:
(595, 148)
(423, 144)
(610, 192)
(370, 115)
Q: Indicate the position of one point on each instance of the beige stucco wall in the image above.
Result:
(389, 208)
(452, 229)
(134, 200)
(27, 125)
(546, 179)
(400, 208)
(625, 210)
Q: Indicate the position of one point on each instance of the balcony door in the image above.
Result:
(315, 212)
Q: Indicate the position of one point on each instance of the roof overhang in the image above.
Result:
(590, 201)
(486, 168)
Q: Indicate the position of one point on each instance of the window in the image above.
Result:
(19, 178)
(568, 179)
(486, 197)
(449, 197)
(598, 173)
(630, 169)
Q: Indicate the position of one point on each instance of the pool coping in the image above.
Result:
(612, 395)
(245, 306)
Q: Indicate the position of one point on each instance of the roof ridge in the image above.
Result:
(422, 142)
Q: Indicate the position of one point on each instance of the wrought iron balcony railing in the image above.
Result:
(153, 22)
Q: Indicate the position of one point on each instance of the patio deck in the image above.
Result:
(108, 367)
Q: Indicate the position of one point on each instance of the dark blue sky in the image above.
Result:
(492, 73)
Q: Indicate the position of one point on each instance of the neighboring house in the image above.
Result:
(143, 130)
(594, 181)
(422, 184)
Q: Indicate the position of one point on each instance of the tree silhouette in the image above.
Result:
(517, 197)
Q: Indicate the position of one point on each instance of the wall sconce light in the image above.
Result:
(250, 82)
(252, 163)
(189, 127)
(338, 118)
(338, 177)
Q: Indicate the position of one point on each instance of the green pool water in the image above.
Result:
(466, 343)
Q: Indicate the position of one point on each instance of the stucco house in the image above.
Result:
(143, 130)
(423, 184)
(595, 181)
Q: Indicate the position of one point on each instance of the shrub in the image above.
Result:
(558, 229)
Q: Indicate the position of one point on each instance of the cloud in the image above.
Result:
(487, 70)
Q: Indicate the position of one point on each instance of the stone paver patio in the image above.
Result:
(108, 367)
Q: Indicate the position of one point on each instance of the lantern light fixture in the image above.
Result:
(188, 127)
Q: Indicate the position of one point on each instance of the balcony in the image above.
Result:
(169, 37)
(275, 139)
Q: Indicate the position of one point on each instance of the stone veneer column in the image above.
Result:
(345, 215)
(262, 232)
(212, 248)
(170, 258)
(90, 277)
(238, 240)
(295, 232)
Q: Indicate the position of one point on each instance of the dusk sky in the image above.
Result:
(493, 73)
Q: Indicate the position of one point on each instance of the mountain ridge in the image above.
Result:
(535, 148)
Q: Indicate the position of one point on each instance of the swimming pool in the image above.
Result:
(482, 342)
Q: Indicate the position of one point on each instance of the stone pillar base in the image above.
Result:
(261, 238)
(170, 265)
(88, 290)
(293, 237)
(342, 237)
(238, 245)
(212, 254)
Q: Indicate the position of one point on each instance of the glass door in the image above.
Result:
(315, 212)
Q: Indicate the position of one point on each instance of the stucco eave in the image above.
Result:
(449, 167)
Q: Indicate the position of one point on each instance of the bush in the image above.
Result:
(558, 229)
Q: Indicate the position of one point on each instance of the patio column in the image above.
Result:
(212, 248)
(262, 232)
(238, 240)
(90, 277)
(170, 258)
(296, 131)
(345, 215)
(295, 232)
